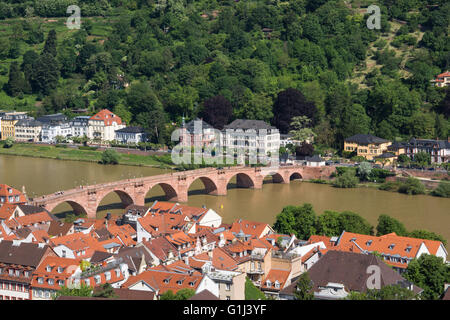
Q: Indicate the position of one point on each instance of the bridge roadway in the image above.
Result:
(86, 199)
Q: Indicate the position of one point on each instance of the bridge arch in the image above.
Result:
(77, 208)
(209, 184)
(276, 177)
(170, 192)
(295, 176)
(243, 180)
(125, 198)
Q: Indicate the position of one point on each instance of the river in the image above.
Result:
(45, 176)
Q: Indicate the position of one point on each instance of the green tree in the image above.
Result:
(298, 220)
(9, 142)
(110, 156)
(50, 43)
(304, 288)
(16, 82)
(346, 180)
(424, 234)
(391, 292)
(364, 169)
(82, 291)
(252, 292)
(430, 273)
(106, 291)
(300, 129)
(387, 224)
(45, 74)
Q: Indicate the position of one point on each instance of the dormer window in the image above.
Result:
(166, 280)
(369, 242)
(61, 282)
(48, 268)
(17, 273)
(40, 280)
(180, 282)
(391, 246)
(277, 284)
(408, 248)
(51, 282)
(268, 283)
(60, 269)
(117, 272)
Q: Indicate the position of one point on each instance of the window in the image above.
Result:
(11, 272)
(268, 283)
(40, 280)
(87, 282)
(60, 269)
(227, 287)
(60, 282)
(51, 282)
(117, 272)
(108, 275)
(48, 269)
(97, 279)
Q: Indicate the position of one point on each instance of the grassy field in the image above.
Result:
(52, 152)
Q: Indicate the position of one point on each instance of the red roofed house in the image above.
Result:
(11, 195)
(251, 228)
(442, 80)
(18, 261)
(76, 246)
(159, 282)
(103, 125)
(395, 250)
(51, 274)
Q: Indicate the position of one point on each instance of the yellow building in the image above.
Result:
(8, 123)
(366, 145)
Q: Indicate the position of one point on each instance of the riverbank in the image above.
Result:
(75, 154)
(381, 186)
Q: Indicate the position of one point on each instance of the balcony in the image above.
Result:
(255, 271)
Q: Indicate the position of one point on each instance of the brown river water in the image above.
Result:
(45, 176)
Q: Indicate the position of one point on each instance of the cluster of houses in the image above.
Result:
(103, 126)
(386, 152)
(167, 246)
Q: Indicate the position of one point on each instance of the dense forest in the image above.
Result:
(154, 62)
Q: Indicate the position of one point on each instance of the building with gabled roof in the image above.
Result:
(338, 273)
(51, 275)
(395, 250)
(18, 261)
(162, 249)
(366, 145)
(251, 229)
(159, 281)
(442, 80)
(9, 195)
(76, 246)
(103, 125)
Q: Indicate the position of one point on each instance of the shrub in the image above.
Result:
(412, 186)
(389, 186)
(9, 142)
(110, 156)
(443, 190)
(346, 180)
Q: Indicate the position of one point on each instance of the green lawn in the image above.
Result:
(52, 152)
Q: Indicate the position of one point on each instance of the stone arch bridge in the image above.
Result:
(86, 199)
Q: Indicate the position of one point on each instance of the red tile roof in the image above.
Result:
(107, 117)
(164, 281)
(7, 191)
(249, 227)
(60, 270)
